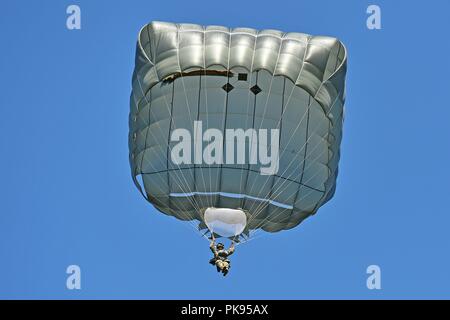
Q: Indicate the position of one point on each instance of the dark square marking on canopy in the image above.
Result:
(255, 89)
(227, 87)
(242, 77)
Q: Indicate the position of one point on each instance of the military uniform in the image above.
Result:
(220, 259)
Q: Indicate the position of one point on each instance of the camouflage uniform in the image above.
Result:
(220, 259)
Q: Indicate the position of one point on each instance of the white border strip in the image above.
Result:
(231, 195)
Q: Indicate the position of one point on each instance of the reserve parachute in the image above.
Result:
(237, 129)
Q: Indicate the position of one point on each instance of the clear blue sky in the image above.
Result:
(67, 196)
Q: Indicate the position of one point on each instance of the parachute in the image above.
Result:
(236, 127)
(225, 222)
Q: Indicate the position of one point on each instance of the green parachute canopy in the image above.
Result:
(289, 88)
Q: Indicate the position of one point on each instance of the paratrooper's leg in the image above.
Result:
(226, 268)
(220, 265)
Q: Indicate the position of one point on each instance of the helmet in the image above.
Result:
(220, 245)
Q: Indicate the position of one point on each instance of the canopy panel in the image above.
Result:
(225, 222)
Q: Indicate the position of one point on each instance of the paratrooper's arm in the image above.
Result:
(231, 249)
(212, 246)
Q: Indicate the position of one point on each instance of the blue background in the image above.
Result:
(67, 196)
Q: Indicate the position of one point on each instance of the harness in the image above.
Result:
(222, 255)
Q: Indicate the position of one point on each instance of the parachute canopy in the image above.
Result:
(238, 119)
